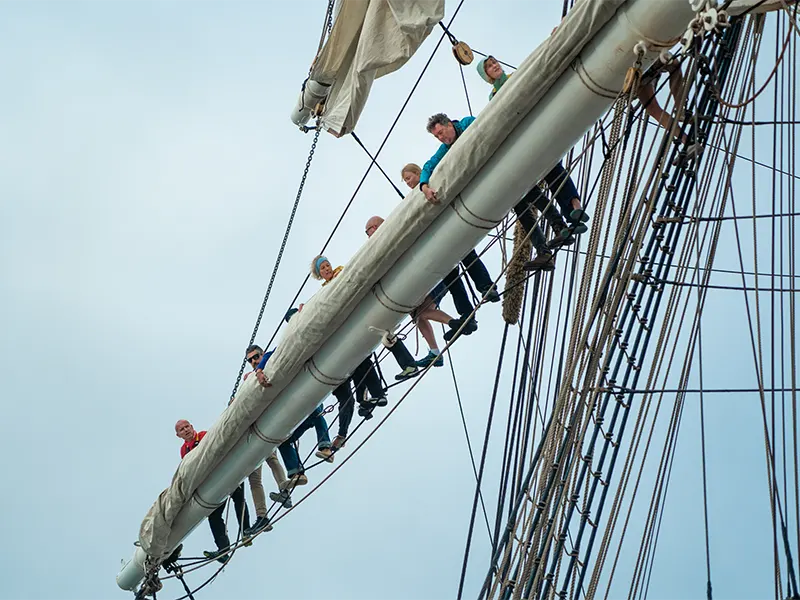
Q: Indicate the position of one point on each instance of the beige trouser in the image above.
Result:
(257, 488)
(276, 467)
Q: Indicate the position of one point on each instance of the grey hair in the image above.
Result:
(253, 347)
(438, 119)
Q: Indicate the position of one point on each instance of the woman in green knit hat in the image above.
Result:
(558, 180)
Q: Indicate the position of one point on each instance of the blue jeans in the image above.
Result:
(288, 450)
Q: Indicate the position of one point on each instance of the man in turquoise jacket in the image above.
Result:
(448, 131)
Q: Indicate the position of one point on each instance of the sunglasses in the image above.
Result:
(255, 357)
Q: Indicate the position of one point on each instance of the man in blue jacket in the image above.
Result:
(448, 131)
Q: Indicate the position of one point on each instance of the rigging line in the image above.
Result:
(510, 435)
(326, 29)
(375, 162)
(692, 267)
(777, 214)
(727, 121)
(483, 459)
(773, 180)
(621, 390)
(662, 509)
(466, 91)
(703, 422)
(710, 286)
(469, 443)
(792, 328)
(739, 156)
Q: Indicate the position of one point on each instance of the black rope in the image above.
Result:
(466, 91)
(469, 442)
(483, 461)
(375, 162)
(453, 39)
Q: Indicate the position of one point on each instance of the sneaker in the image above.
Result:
(338, 442)
(283, 498)
(471, 326)
(543, 261)
(325, 454)
(490, 295)
(261, 524)
(576, 228)
(294, 481)
(563, 236)
(407, 373)
(432, 357)
(220, 556)
(365, 411)
(380, 400)
(578, 215)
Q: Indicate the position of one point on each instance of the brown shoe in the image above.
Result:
(543, 262)
(338, 442)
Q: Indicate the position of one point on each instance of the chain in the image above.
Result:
(280, 255)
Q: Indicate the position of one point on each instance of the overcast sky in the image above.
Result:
(147, 170)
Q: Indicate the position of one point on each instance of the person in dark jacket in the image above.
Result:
(557, 179)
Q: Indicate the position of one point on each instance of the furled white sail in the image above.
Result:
(369, 39)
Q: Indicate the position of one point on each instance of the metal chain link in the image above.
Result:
(280, 255)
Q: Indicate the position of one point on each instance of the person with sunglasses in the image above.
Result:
(253, 356)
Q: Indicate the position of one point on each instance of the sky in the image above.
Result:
(147, 170)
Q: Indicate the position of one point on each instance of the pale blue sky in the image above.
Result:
(147, 169)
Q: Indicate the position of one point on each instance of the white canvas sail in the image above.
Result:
(369, 39)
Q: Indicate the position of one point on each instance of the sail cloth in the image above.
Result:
(369, 39)
(331, 306)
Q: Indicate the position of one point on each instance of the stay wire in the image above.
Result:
(483, 461)
(469, 443)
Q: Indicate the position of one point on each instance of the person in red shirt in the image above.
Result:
(191, 439)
